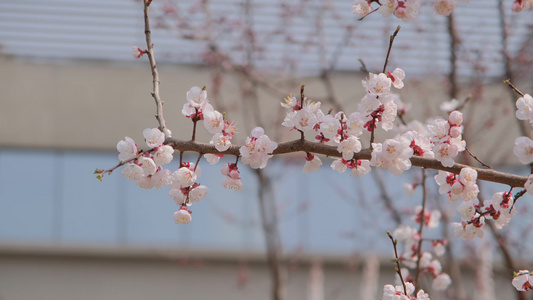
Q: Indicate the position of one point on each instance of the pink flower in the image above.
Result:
(148, 165)
(257, 149)
(523, 149)
(212, 158)
(197, 193)
(137, 52)
(127, 149)
(154, 137)
(312, 163)
(184, 177)
(361, 7)
(182, 216)
(196, 96)
(348, 147)
(397, 77)
(132, 172)
(441, 282)
(444, 7)
(163, 155)
(378, 84)
(523, 281)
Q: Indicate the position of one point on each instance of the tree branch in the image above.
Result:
(155, 74)
(317, 148)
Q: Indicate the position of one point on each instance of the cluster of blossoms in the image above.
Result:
(233, 181)
(446, 138)
(377, 106)
(463, 186)
(473, 215)
(408, 10)
(197, 108)
(391, 292)
(257, 149)
(523, 148)
(145, 168)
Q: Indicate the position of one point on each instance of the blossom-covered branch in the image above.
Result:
(331, 151)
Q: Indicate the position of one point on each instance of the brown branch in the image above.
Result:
(454, 41)
(507, 63)
(155, 74)
(312, 147)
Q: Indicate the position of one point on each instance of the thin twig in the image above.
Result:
(508, 82)
(397, 260)
(100, 173)
(516, 197)
(475, 157)
(197, 161)
(390, 47)
(361, 18)
(155, 74)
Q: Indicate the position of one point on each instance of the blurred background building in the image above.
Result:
(70, 90)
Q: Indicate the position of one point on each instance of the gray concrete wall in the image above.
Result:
(93, 104)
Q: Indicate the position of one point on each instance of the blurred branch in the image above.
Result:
(507, 63)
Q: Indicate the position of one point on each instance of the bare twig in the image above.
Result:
(452, 76)
(397, 260)
(390, 47)
(507, 63)
(100, 173)
(361, 18)
(155, 74)
(475, 157)
(508, 82)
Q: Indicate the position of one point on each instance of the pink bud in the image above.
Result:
(456, 118)
(455, 132)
